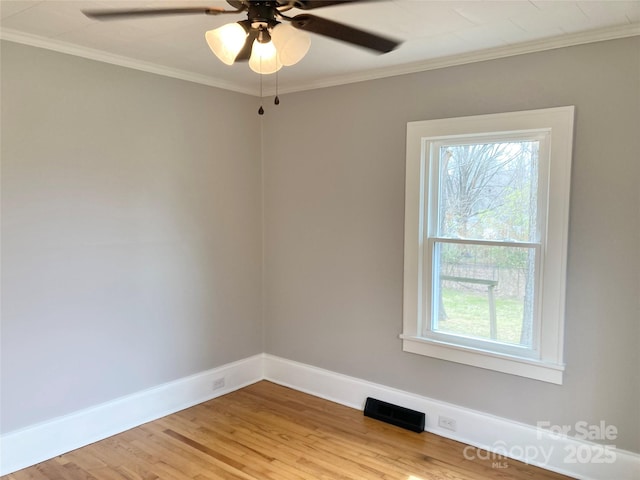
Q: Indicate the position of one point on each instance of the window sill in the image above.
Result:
(523, 367)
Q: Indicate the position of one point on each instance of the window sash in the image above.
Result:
(431, 209)
(431, 163)
(431, 278)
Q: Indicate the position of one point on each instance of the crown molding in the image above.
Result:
(122, 61)
(552, 43)
(592, 36)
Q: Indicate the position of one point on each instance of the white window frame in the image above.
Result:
(544, 361)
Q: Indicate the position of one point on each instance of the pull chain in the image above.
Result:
(261, 110)
(277, 99)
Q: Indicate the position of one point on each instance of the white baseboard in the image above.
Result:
(570, 456)
(36, 443)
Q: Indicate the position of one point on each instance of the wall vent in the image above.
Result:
(395, 415)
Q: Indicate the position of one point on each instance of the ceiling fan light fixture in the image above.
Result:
(264, 58)
(226, 41)
(292, 44)
(251, 39)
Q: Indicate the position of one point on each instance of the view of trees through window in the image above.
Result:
(485, 240)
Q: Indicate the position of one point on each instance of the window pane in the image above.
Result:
(484, 292)
(488, 191)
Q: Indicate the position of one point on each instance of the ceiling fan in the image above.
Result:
(268, 38)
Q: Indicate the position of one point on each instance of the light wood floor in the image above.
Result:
(266, 431)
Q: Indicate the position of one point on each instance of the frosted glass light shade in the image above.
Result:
(264, 58)
(226, 41)
(292, 44)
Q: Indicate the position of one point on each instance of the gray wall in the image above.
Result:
(131, 232)
(334, 203)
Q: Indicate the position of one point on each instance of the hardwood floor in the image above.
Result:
(266, 431)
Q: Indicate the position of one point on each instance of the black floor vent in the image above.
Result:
(395, 415)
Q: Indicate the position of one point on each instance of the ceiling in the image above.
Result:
(434, 34)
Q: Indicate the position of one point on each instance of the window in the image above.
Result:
(486, 222)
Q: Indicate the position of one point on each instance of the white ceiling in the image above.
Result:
(434, 34)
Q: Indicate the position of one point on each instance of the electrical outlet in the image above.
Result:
(218, 383)
(448, 423)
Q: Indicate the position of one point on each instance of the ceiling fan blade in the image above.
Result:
(245, 53)
(311, 4)
(339, 31)
(120, 14)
